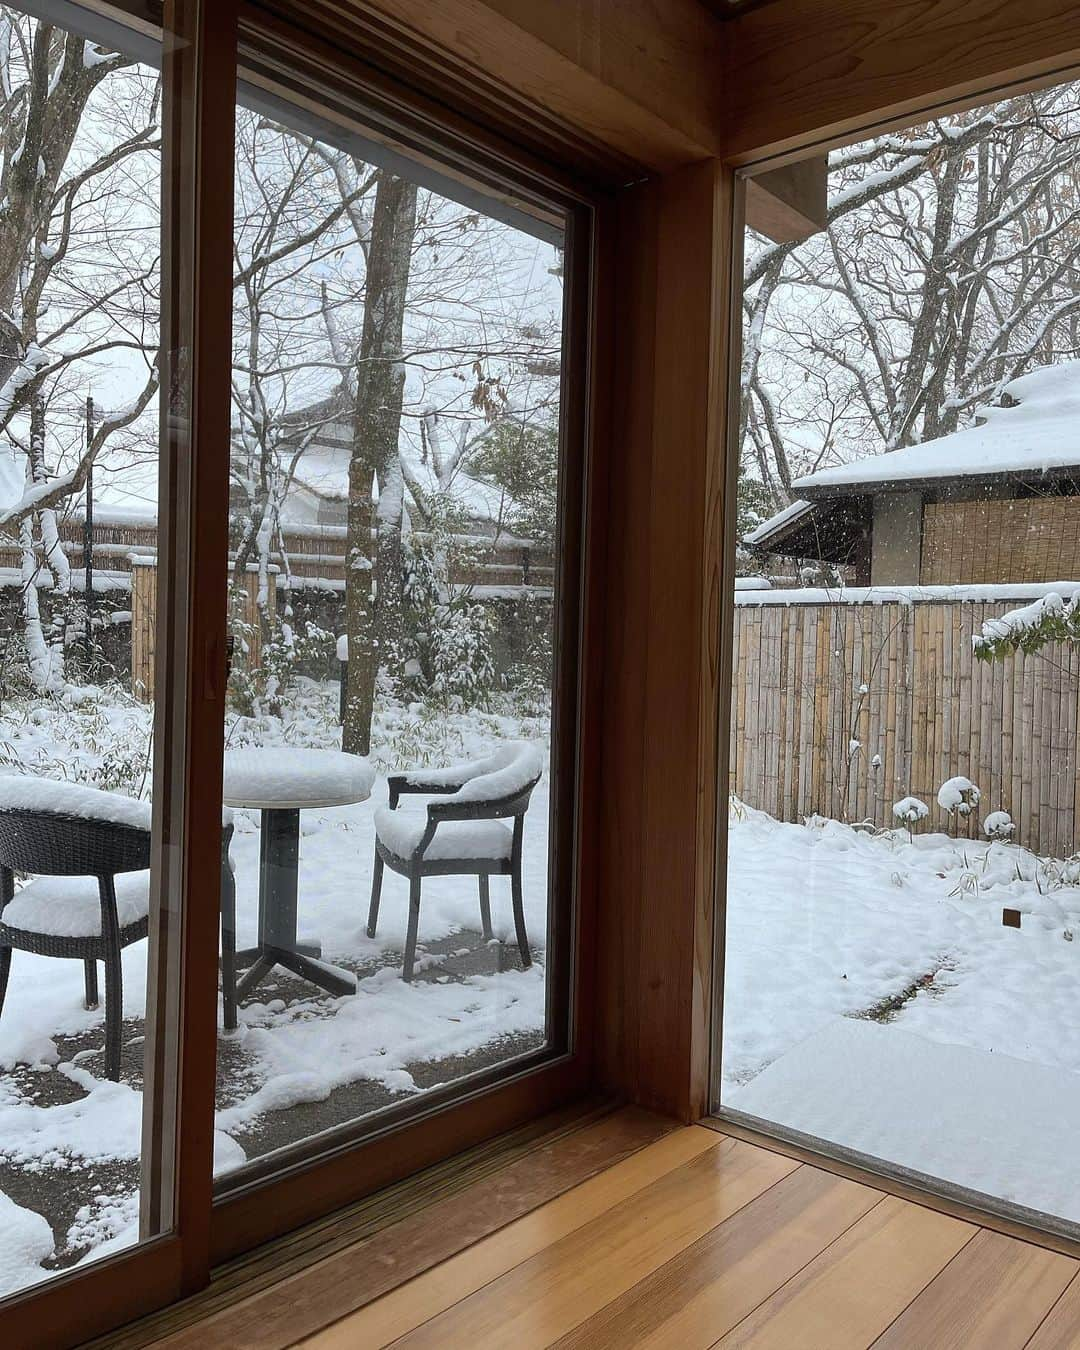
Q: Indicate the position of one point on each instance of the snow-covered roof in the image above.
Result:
(323, 468)
(795, 511)
(1036, 432)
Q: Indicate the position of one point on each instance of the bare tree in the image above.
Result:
(949, 266)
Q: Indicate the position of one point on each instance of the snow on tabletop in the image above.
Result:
(28, 1241)
(30, 793)
(1038, 433)
(510, 769)
(753, 584)
(989, 593)
(292, 775)
(71, 906)
(402, 830)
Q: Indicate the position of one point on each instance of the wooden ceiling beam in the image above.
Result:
(798, 73)
(639, 77)
(790, 204)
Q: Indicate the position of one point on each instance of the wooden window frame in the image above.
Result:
(344, 1165)
(197, 46)
(316, 1176)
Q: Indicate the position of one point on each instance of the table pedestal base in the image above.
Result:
(279, 861)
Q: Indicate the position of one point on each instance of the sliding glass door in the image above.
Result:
(291, 470)
(394, 500)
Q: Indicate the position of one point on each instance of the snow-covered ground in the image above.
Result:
(873, 998)
(333, 1058)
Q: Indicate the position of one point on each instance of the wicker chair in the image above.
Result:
(62, 913)
(461, 836)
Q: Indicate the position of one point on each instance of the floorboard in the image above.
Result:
(994, 1292)
(712, 1285)
(850, 1293)
(548, 1295)
(631, 1232)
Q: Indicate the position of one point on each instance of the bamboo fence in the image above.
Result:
(842, 709)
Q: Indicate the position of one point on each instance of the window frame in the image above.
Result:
(342, 1165)
(949, 1197)
(198, 44)
(201, 71)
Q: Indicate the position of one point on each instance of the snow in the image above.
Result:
(1026, 618)
(788, 515)
(30, 793)
(280, 776)
(94, 56)
(1032, 438)
(753, 584)
(71, 906)
(990, 1122)
(910, 810)
(998, 825)
(958, 794)
(341, 647)
(874, 999)
(908, 595)
(27, 1241)
(509, 770)
(402, 830)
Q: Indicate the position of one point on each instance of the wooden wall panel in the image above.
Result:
(1007, 539)
(638, 78)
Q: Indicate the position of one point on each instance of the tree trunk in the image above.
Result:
(373, 581)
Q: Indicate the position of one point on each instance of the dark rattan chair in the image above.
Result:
(460, 836)
(48, 844)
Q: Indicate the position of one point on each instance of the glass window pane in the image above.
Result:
(80, 240)
(902, 905)
(394, 489)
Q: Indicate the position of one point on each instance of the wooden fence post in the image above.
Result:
(247, 603)
(143, 626)
(143, 620)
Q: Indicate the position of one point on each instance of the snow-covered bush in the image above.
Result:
(1051, 618)
(998, 825)
(445, 653)
(254, 690)
(910, 810)
(959, 796)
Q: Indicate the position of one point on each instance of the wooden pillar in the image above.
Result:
(672, 271)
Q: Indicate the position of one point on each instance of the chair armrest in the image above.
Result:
(402, 784)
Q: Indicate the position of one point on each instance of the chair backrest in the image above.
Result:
(50, 828)
(50, 843)
(503, 790)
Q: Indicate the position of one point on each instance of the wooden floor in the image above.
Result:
(702, 1240)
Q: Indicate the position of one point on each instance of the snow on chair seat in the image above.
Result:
(402, 831)
(71, 906)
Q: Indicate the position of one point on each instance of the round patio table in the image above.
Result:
(281, 782)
